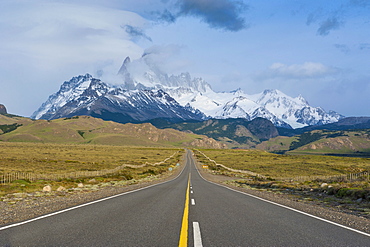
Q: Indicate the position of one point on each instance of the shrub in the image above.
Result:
(354, 193)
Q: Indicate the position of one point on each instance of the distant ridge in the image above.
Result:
(234, 133)
(350, 123)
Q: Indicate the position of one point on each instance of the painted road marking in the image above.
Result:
(85, 204)
(192, 202)
(197, 235)
(191, 192)
(183, 242)
(289, 208)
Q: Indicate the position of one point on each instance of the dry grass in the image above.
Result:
(64, 158)
(273, 165)
(281, 170)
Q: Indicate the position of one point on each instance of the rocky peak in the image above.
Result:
(303, 100)
(3, 109)
(270, 92)
(123, 69)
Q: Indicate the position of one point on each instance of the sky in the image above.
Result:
(314, 48)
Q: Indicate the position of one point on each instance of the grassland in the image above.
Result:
(283, 173)
(65, 158)
(349, 142)
(89, 130)
(274, 165)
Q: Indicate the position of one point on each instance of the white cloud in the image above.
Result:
(306, 70)
(43, 43)
(55, 34)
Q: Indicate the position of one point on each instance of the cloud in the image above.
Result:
(360, 3)
(166, 16)
(343, 48)
(331, 21)
(335, 16)
(67, 33)
(160, 58)
(43, 43)
(165, 58)
(306, 70)
(328, 25)
(136, 32)
(365, 46)
(219, 14)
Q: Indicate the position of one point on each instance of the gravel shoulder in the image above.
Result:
(343, 217)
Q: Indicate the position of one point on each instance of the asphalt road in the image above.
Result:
(153, 216)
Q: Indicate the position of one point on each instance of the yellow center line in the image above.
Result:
(183, 242)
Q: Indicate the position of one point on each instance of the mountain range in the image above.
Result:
(141, 92)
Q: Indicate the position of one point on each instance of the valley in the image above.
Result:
(184, 123)
(61, 159)
(21, 205)
(67, 154)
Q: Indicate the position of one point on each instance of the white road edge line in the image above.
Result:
(293, 209)
(192, 202)
(85, 204)
(197, 235)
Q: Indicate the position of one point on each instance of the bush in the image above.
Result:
(150, 171)
(354, 193)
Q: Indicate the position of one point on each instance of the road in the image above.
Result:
(154, 216)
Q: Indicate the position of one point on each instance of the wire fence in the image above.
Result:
(231, 169)
(10, 177)
(365, 175)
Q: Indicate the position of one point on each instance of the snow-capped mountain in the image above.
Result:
(273, 105)
(145, 92)
(85, 95)
(139, 74)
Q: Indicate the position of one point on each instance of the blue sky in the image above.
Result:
(319, 49)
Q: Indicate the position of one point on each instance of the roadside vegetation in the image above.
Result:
(341, 182)
(38, 158)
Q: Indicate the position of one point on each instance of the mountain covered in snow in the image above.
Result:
(85, 95)
(143, 92)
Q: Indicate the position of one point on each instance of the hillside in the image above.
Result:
(10, 122)
(348, 142)
(86, 129)
(349, 123)
(235, 133)
(214, 133)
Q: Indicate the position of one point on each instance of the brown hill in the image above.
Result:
(86, 129)
(350, 142)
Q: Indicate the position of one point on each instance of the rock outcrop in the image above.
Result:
(3, 109)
